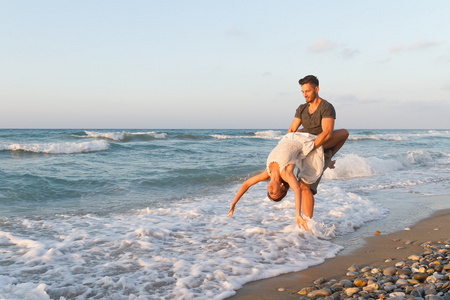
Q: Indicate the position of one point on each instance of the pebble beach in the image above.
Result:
(413, 263)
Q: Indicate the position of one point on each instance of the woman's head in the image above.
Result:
(276, 191)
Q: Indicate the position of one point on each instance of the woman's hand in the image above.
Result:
(301, 222)
(231, 211)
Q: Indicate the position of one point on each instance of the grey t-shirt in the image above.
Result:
(312, 123)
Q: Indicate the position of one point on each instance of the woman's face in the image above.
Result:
(275, 189)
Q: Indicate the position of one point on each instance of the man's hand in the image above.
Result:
(332, 164)
(301, 222)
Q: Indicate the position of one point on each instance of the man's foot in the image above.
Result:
(331, 165)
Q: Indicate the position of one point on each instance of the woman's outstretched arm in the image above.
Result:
(244, 187)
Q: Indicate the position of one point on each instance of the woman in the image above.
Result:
(293, 150)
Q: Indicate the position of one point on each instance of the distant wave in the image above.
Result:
(58, 148)
(126, 136)
(267, 134)
(398, 136)
(376, 137)
(402, 184)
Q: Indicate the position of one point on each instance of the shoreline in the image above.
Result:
(374, 252)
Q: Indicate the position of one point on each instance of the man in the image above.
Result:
(317, 117)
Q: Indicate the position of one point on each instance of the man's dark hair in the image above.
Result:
(311, 79)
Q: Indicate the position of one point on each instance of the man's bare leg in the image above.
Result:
(337, 140)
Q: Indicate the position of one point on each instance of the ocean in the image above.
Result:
(141, 214)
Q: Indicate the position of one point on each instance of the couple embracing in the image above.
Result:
(301, 156)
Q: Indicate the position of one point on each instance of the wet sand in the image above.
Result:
(375, 250)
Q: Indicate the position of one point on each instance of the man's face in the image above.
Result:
(309, 92)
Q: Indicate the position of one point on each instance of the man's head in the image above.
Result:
(311, 79)
(310, 87)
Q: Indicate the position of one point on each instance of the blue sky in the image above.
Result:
(222, 64)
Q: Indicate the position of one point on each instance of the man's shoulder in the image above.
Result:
(325, 102)
(302, 106)
(327, 109)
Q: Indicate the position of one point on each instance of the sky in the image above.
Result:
(222, 64)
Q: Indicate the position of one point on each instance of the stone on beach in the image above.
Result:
(420, 277)
(351, 291)
(319, 293)
(353, 268)
(414, 257)
(390, 271)
(360, 282)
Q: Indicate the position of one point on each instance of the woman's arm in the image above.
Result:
(244, 187)
(289, 177)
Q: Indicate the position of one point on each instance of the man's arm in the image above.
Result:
(327, 132)
(294, 125)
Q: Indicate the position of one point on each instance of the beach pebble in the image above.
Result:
(400, 264)
(413, 281)
(359, 282)
(304, 291)
(398, 295)
(407, 228)
(414, 257)
(422, 270)
(350, 291)
(353, 268)
(346, 283)
(417, 292)
(401, 282)
(389, 271)
(421, 277)
(281, 289)
(405, 271)
(320, 280)
(430, 291)
(435, 297)
(375, 271)
(352, 274)
(390, 288)
(319, 293)
(337, 287)
(376, 233)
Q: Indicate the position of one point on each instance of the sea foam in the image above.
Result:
(124, 136)
(58, 148)
(185, 251)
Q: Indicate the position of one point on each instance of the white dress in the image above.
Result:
(297, 148)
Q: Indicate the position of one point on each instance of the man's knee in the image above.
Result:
(346, 134)
(341, 134)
